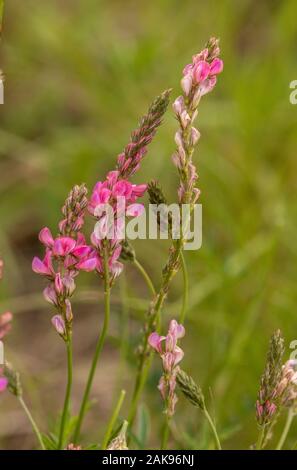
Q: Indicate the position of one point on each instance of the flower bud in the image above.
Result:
(59, 325)
(68, 311)
(186, 84)
(195, 136)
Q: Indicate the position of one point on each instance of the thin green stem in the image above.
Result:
(286, 430)
(153, 321)
(186, 288)
(145, 276)
(68, 391)
(165, 434)
(113, 419)
(33, 424)
(213, 428)
(261, 437)
(98, 349)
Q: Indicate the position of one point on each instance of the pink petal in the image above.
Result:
(216, 66)
(63, 246)
(81, 251)
(3, 384)
(207, 85)
(39, 267)
(116, 269)
(87, 265)
(201, 71)
(59, 324)
(112, 177)
(80, 240)
(155, 341)
(187, 69)
(139, 189)
(46, 237)
(50, 295)
(179, 354)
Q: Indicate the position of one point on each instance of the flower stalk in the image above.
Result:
(99, 347)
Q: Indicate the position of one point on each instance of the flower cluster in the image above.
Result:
(64, 257)
(129, 160)
(201, 74)
(287, 388)
(74, 211)
(171, 355)
(199, 78)
(110, 202)
(269, 394)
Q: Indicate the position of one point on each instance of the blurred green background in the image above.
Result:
(79, 74)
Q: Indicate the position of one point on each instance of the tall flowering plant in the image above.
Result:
(103, 251)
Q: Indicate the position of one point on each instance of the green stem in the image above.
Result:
(98, 349)
(165, 434)
(113, 419)
(68, 391)
(260, 440)
(153, 321)
(213, 428)
(186, 288)
(286, 430)
(33, 424)
(145, 276)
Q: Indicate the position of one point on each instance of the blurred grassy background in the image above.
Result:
(79, 73)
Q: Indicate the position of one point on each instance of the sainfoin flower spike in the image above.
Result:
(110, 201)
(199, 78)
(269, 397)
(65, 255)
(129, 160)
(171, 355)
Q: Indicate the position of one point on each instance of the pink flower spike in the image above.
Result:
(63, 246)
(216, 66)
(3, 384)
(46, 237)
(201, 71)
(59, 324)
(135, 210)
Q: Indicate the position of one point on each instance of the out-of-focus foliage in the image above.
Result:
(79, 73)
